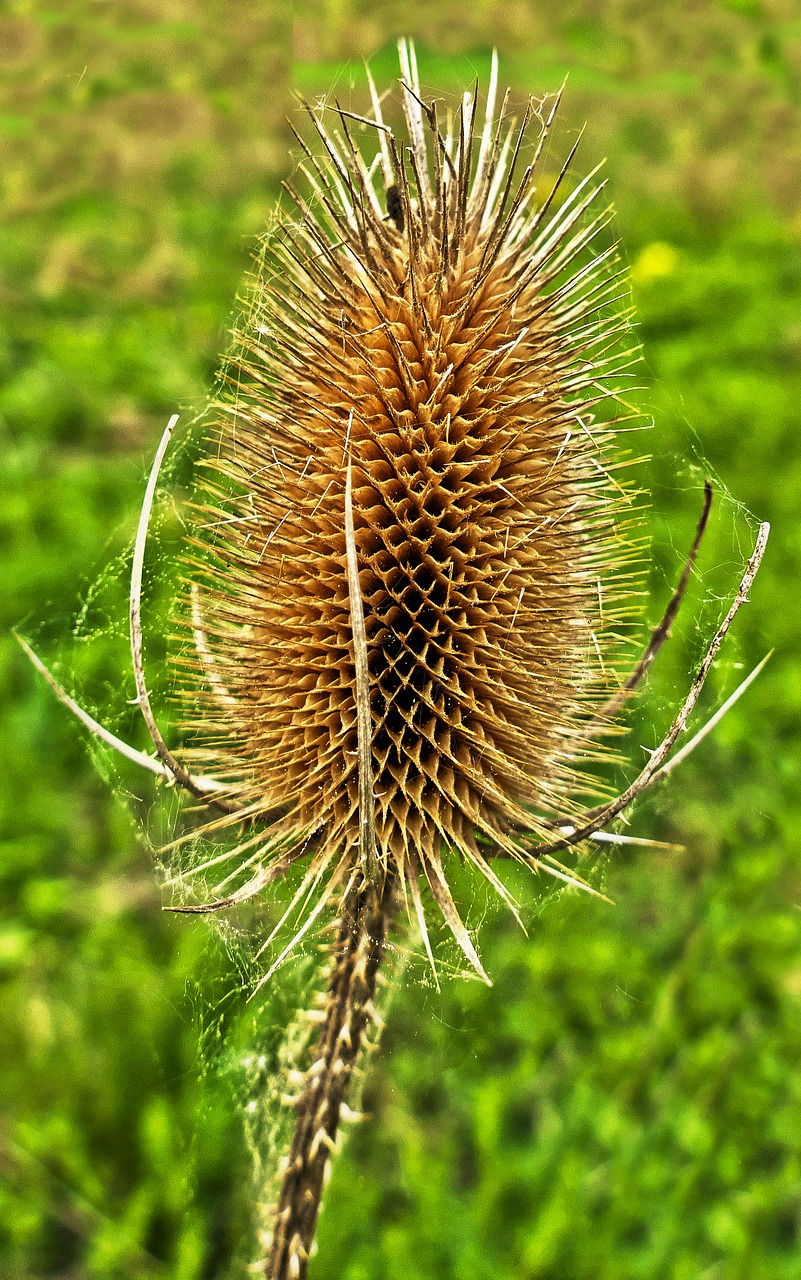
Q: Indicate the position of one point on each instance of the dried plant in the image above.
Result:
(415, 566)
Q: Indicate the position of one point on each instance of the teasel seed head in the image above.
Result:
(415, 562)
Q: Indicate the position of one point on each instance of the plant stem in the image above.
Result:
(362, 927)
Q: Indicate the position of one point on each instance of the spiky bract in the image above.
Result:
(427, 338)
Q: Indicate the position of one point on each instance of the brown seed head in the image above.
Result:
(412, 513)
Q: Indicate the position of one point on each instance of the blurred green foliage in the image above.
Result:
(625, 1101)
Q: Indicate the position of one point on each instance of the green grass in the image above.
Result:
(624, 1101)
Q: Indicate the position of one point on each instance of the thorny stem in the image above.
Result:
(364, 918)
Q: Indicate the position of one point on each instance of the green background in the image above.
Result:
(626, 1100)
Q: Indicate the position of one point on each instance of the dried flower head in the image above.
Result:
(415, 571)
(414, 562)
(417, 563)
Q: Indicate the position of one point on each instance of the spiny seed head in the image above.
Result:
(411, 516)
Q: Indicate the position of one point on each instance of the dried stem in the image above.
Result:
(597, 819)
(362, 929)
(662, 631)
(712, 722)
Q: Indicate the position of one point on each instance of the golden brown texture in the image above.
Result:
(430, 321)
